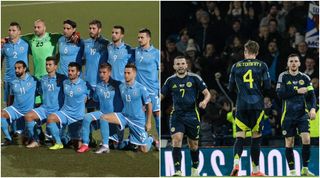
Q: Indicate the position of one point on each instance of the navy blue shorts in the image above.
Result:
(290, 127)
(189, 125)
(247, 120)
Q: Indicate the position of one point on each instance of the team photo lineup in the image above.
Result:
(91, 94)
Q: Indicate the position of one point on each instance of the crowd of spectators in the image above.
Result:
(211, 35)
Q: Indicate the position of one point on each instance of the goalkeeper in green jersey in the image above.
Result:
(42, 45)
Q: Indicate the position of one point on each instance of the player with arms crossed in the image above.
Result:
(298, 100)
(184, 87)
(251, 79)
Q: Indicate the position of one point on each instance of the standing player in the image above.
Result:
(147, 59)
(107, 93)
(52, 95)
(70, 49)
(76, 91)
(298, 100)
(119, 53)
(42, 45)
(95, 53)
(184, 87)
(23, 89)
(13, 50)
(250, 77)
(134, 96)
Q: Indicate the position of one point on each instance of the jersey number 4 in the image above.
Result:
(247, 77)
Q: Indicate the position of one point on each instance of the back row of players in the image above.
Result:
(110, 72)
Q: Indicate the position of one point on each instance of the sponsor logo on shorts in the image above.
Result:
(173, 129)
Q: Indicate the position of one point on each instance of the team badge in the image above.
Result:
(301, 82)
(284, 132)
(134, 93)
(78, 89)
(189, 84)
(173, 129)
(28, 84)
(21, 48)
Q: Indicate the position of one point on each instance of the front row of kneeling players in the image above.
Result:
(121, 105)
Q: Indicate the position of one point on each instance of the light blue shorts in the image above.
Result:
(74, 125)
(137, 134)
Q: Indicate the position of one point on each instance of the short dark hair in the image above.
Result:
(105, 66)
(71, 23)
(52, 58)
(15, 24)
(21, 62)
(252, 47)
(273, 20)
(119, 27)
(293, 55)
(74, 64)
(96, 22)
(145, 30)
(179, 57)
(132, 66)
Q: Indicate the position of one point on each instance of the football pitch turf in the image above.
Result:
(19, 161)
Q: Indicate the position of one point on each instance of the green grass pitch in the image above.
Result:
(18, 161)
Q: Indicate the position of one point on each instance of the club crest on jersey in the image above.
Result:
(21, 48)
(189, 84)
(134, 93)
(28, 84)
(301, 82)
(78, 89)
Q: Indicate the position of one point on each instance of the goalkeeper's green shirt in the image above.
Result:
(41, 48)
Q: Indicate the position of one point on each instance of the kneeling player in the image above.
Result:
(134, 97)
(107, 93)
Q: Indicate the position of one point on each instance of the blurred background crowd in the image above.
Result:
(211, 36)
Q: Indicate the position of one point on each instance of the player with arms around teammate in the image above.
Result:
(250, 79)
(76, 91)
(119, 53)
(107, 93)
(184, 87)
(298, 105)
(147, 60)
(52, 95)
(42, 45)
(23, 89)
(134, 96)
(95, 53)
(70, 49)
(13, 50)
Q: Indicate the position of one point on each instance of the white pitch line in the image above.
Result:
(33, 3)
